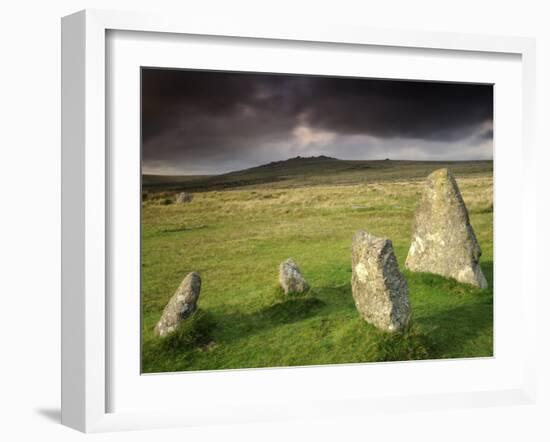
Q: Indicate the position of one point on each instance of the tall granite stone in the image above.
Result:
(379, 289)
(443, 240)
(291, 279)
(182, 305)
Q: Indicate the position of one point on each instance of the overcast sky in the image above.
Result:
(200, 122)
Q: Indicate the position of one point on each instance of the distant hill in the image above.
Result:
(303, 171)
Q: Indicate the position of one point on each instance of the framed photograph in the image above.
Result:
(274, 222)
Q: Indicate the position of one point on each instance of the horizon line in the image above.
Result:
(318, 156)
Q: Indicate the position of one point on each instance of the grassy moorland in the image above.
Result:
(240, 226)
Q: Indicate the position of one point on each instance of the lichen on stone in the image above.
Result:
(443, 240)
(379, 289)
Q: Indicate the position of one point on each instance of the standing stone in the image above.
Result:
(291, 278)
(379, 289)
(181, 305)
(443, 240)
(184, 197)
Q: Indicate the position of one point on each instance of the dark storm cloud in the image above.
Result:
(486, 135)
(192, 119)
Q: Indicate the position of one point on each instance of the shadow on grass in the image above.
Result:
(339, 297)
(289, 310)
(488, 267)
(451, 330)
(447, 327)
(460, 315)
(234, 326)
(450, 315)
(206, 330)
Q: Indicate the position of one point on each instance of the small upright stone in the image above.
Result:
(291, 279)
(443, 240)
(379, 289)
(181, 305)
(184, 197)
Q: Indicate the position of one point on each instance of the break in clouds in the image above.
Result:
(200, 122)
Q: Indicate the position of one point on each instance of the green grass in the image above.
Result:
(236, 239)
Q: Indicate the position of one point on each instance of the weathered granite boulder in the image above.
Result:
(184, 197)
(181, 305)
(443, 240)
(379, 289)
(291, 279)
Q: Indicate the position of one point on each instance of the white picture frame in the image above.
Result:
(86, 208)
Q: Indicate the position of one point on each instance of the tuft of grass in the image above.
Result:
(192, 334)
(412, 344)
